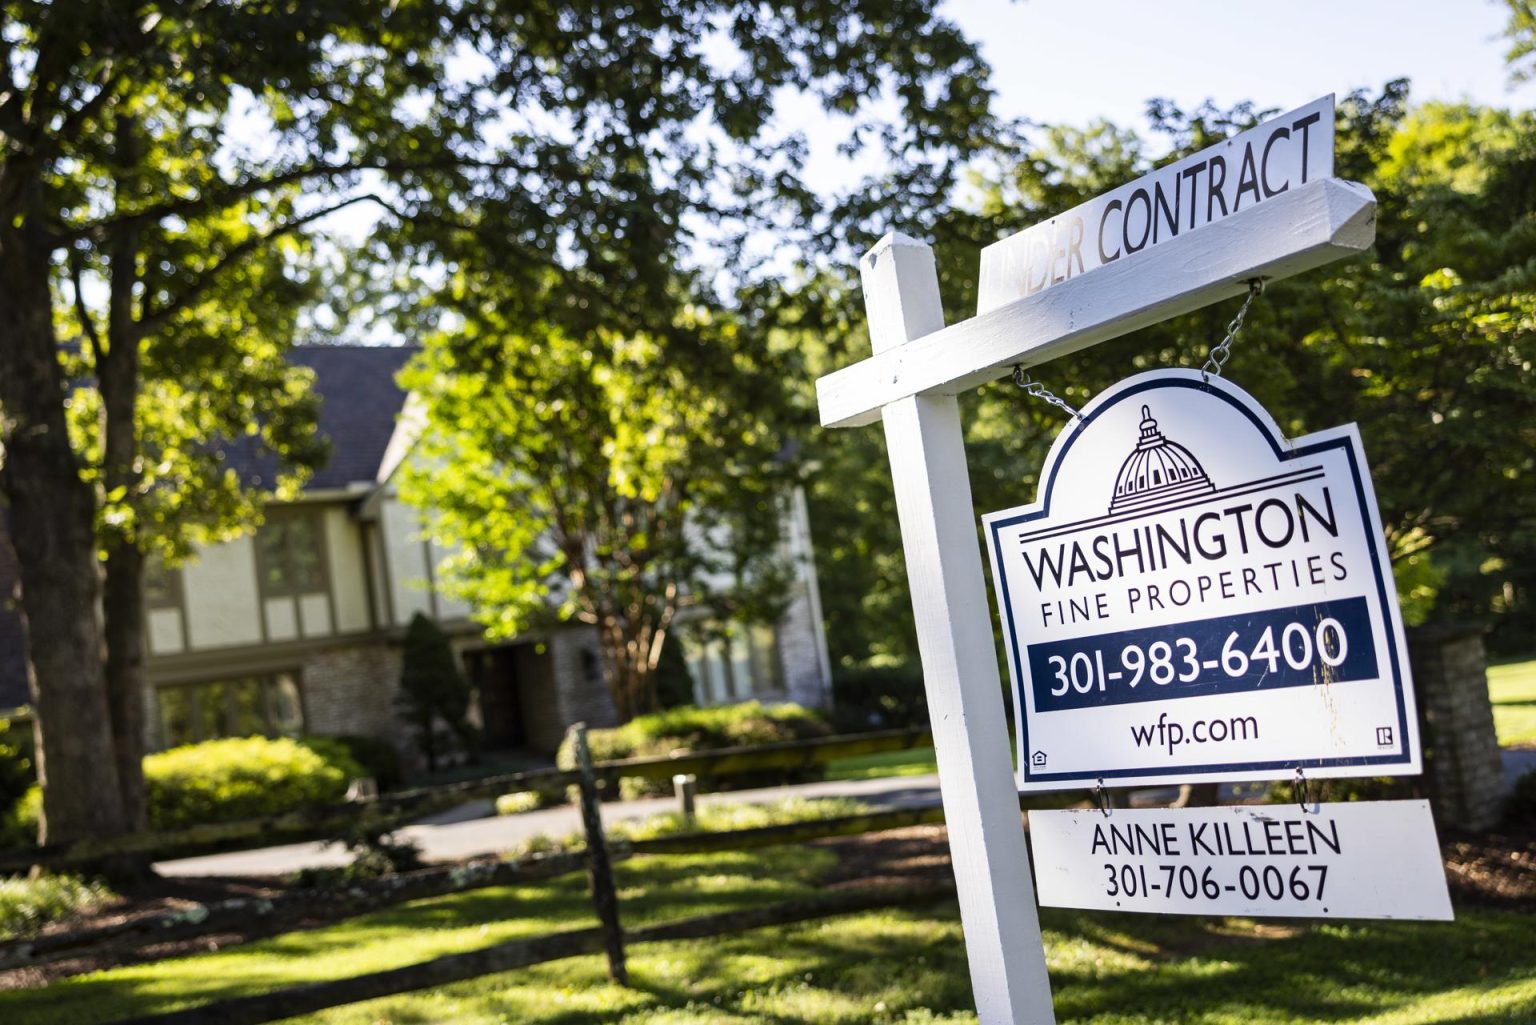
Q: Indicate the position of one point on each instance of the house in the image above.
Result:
(297, 627)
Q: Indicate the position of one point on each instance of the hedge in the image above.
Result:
(224, 781)
(689, 729)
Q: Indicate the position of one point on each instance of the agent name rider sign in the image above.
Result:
(1197, 597)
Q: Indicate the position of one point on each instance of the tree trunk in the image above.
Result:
(117, 376)
(631, 681)
(53, 531)
(1198, 795)
(123, 609)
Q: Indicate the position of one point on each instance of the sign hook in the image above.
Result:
(1101, 797)
(1222, 351)
(1038, 390)
(1303, 793)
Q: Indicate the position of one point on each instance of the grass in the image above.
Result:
(26, 905)
(917, 761)
(902, 967)
(656, 890)
(1513, 691)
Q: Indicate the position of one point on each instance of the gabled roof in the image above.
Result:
(359, 401)
(359, 404)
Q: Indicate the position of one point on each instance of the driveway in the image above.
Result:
(474, 828)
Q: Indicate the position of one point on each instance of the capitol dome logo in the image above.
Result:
(1156, 472)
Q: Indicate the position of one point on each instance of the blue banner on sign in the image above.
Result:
(1325, 642)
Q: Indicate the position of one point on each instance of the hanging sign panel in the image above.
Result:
(1359, 860)
(1195, 597)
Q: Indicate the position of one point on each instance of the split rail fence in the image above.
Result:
(393, 810)
(289, 910)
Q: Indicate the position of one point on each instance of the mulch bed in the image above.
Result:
(1496, 870)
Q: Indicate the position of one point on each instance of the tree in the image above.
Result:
(432, 690)
(1425, 342)
(119, 174)
(556, 141)
(612, 481)
(1520, 30)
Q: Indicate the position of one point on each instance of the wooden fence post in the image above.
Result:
(686, 786)
(605, 896)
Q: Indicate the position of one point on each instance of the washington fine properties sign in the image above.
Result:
(1192, 597)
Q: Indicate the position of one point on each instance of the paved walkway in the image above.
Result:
(474, 828)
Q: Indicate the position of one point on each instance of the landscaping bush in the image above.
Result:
(711, 817)
(690, 730)
(878, 698)
(243, 778)
(17, 776)
(1521, 806)
(18, 826)
(27, 905)
(222, 781)
(378, 758)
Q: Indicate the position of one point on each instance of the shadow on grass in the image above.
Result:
(887, 967)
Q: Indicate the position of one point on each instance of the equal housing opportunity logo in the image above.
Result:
(1190, 571)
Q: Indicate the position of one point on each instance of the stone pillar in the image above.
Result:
(1463, 770)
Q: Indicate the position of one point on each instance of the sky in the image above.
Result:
(1064, 62)
(1069, 62)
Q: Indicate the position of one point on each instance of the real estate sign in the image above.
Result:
(1364, 860)
(1242, 172)
(1196, 597)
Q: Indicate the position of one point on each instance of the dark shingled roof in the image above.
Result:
(359, 401)
(13, 657)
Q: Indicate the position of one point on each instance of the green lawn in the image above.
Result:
(885, 967)
(917, 761)
(1513, 690)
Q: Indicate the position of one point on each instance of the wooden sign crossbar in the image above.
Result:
(1306, 227)
(911, 382)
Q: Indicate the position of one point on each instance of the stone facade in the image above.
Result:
(581, 690)
(1463, 770)
(352, 690)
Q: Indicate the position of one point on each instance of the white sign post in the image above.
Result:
(918, 368)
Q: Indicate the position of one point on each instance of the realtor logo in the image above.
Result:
(1383, 736)
(1158, 470)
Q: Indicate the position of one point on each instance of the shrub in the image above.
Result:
(17, 777)
(18, 826)
(1521, 806)
(222, 781)
(518, 803)
(879, 697)
(690, 730)
(378, 758)
(432, 690)
(712, 817)
(242, 778)
(27, 905)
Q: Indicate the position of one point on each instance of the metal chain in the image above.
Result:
(1218, 357)
(1038, 390)
(1222, 352)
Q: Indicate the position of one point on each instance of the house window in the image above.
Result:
(291, 561)
(737, 665)
(268, 706)
(162, 585)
